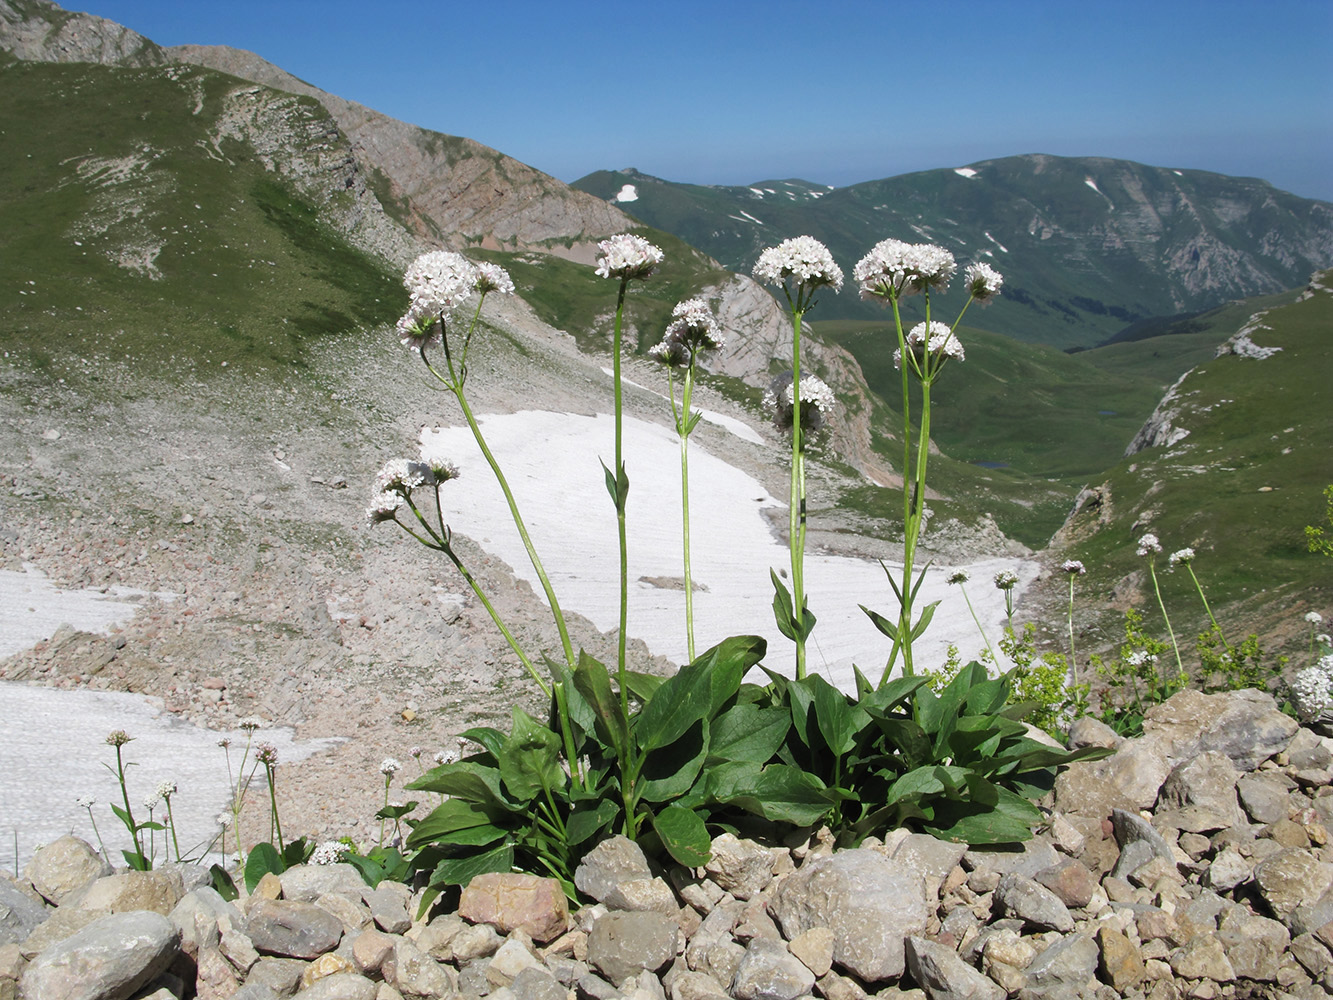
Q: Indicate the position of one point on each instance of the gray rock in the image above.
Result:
(1308, 918)
(643, 894)
(278, 974)
(1227, 870)
(1199, 795)
(197, 916)
(1244, 725)
(1308, 750)
(741, 867)
(292, 929)
(1131, 829)
(537, 984)
(1312, 955)
(63, 867)
(255, 991)
(1071, 882)
(1062, 969)
(476, 941)
(623, 944)
(931, 857)
(128, 891)
(615, 860)
(388, 906)
(1202, 957)
(1254, 945)
(1033, 856)
(19, 913)
(770, 972)
(1021, 898)
(1264, 795)
(870, 902)
(306, 883)
(414, 973)
(341, 986)
(109, 959)
(945, 976)
(509, 960)
(696, 986)
(1086, 731)
(1291, 878)
(1130, 778)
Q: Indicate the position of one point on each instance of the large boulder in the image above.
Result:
(110, 959)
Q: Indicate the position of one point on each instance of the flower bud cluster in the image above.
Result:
(817, 402)
(693, 328)
(802, 259)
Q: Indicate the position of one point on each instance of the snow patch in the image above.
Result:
(1003, 248)
(757, 193)
(627, 193)
(965, 172)
(738, 427)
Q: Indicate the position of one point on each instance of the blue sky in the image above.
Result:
(733, 92)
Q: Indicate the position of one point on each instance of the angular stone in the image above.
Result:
(199, 917)
(1063, 969)
(643, 894)
(945, 976)
(741, 867)
(1071, 882)
(510, 959)
(131, 891)
(342, 986)
(64, 866)
(1255, 946)
(1291, 878)
(1312, 955)
(330, 964)
(1202, 957)
(1138, 841)
(1087, 731)
(768, 971)
(371, 947)
(215, 978)
(388, 903)
(1264, 795)
(1032, 856)
(509, 901)
(473, 942)
(1199, 795)
(20, 914)
(1119, 961)
(239, 950)
(413, 973)
(306, 883)
(696, 986)
(815, 949)
(870, 902)
(1129, 779)
(278, 974)
(624, 943)
(1023, 899)
(615, 860)
(1244, 725)
(353, 914)
(108, 960)
(292, 929)
(536, 984)
(1065, 836)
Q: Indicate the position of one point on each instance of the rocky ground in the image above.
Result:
(1194, 862)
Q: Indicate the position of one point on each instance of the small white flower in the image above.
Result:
(802, 259)
(1149, 544)
(414, 752)
(958, 576)
(250, 723)
(383, 507)
(166, 789)
(1311, 692)
(983, 282)
(328, 853)
(1180, 556)
(439, 282)
(150, 802)
(625, 256)
(443, 757)
(86, 801)
(1073, 567)
(493, 278)
(941, 345)
(402, 476)
(1313, 617)
(441, 469)
(1324, 639)
(894, 269)
(118, 738)
(1140, 657)
(224, 819)
(267, 754)
(389, 765)
(1006, 580)
(817, 401)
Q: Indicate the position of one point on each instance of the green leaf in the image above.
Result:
(594, 682)
(840, 722)
(880, 622)
(461, 871)
(456, 821)
(222, 882)
(727, 663)
(530, 759)
(587, 821)
(641, 685)
(896, 692)
(994, 815)
(681, 701)
(911, 740)
(782, 607)
(264, 858)
(684, 835)
(465, 780)
(748, 732)
(914, 784)
(618, 490)
(863, 686)
(779, 792)
(670, 771)
(926, 615)
(371, 872)
(136, 861)
(488, 736)
(299, 850)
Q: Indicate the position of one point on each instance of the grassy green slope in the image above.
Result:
(1247, 479)
(125, 234)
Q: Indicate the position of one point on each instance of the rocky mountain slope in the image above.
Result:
(1087, 245)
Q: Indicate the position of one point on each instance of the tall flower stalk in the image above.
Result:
(626, 258)
(439, 283)
(693, 329)
(892, 271)
(801, 267)
(117, 739)
(1073, 569)
(1149, 546)
(960, 578)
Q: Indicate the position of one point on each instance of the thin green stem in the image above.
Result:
(1073, 659)
(388, 779)
(1199, 588)
(683, 429)
(125, 797)
(171, 822)
(621, 491)
(796, 511)
(273, 805)
(1152, 570)
(984, 638)
(97, 833)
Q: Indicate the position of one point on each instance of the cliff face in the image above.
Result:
(43, 32)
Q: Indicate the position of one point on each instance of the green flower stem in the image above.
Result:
(171, 822)
(984, 637)
(273, 805)
(683, 428)
(125, 797)
(1152, 570)
(1073, 659)
(1199, 588)
(388, 779)
(796, 507)
(97, 833)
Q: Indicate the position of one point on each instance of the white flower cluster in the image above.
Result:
(625, 256)
(166, 789)
(86, 801)
(1006, 580)
(894, 269)
(1073, 567)
(439, 282)
(941, 344)
(803, 259)
(958, 576)
(1312, 690)
(1180, 556)
(400, 476)
(983, 282)
(1313, 617)
(817, 401)
(1149, 544)
(693, 328)
(328, 853)
(1140, 657)
(389, 766)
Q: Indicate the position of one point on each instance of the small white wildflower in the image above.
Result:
(438, 282)
(941, 345)
(166, 789)
(670, 352)
(1149, 544)
(389, 765)
(402, 476)
(1073, 567)
(958, 576)
(118, 738)
(267, 754)
(86, 801)
(493, 278)
(1140, 657)
(983, 282)
(223, 819)
(328, 853)
(150, 802)
(817, 401)
(414, 752)
(625, 256)
(693, 328)
(383, 506)
(224, 742)
(803, 259)
(1313, 617)
(1180, 556)
(894, 269)
(443, 757)
(1312, 691)
(1324, 639)
(1006, 580)
(250, 723)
